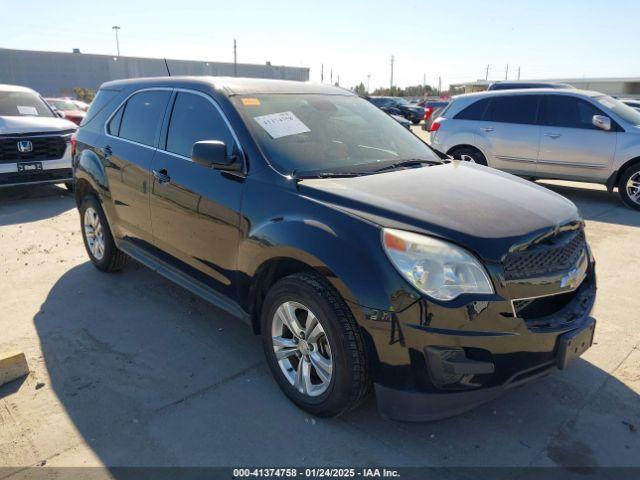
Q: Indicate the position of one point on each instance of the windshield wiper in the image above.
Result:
(328, 175)
(407, 163)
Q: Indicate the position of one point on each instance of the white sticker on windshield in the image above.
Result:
(282, 124)
(24, 110)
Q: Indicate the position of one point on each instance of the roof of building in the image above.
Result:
(234, 85)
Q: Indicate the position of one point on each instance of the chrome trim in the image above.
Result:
(27, 135)
(184, 90)
(46, 164)
(515, 159)
(59, 180)
(572, 164)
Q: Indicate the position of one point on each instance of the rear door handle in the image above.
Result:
(487, 129)
(162, 175)
(553, 135)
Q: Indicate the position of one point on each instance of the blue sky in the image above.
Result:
(455, 40)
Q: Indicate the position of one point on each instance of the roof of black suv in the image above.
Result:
(231, 85)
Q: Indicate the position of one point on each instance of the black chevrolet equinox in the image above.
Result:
(363, 258)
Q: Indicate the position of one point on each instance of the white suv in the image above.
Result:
(35, 144)
(546, 133)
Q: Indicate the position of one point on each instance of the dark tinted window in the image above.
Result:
(194, 118)
(113, 128)
(101, 100)
(475, 111)
(520, 109)
(142, 116)
(570, 112)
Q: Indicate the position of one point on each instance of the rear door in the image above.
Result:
(508, 133)
(195, 211)
(571, 146)
(131, 137)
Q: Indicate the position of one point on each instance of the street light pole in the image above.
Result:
(116, 28)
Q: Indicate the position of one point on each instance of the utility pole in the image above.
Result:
(235, 59)
(518, 73)
(391, 83)
(332, 76)
(322, 73)
(506, 72)
(486, 75)
(368, 80)
(439, 85)
(338, 79)
(116, 28)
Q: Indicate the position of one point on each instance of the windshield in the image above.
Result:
(328, 133)
(625, 112)
(22, 104)
(401, 101)
(64, 105)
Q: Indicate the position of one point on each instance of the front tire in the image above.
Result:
(468, 154)
(70, 186)
(313, 346)
(629, 186)
(97, 237)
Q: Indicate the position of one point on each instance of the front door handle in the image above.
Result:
(553, 135)
(487, 129)
(162, 175)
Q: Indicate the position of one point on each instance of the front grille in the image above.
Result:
(561, 252)
(44, 148)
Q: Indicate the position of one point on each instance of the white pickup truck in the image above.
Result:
(35, 144)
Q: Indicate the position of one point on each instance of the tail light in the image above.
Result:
(435, 125)
(427, 112)
(72, 141)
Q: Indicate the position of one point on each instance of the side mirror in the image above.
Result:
(213, 154)
(59, 113)
(602, 122)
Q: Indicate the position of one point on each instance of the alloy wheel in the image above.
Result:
(633, 188)
(467, 158)
(94, 233)
(302, 349)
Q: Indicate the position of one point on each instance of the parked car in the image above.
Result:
(399, 106)
(547, 133)
(432, 109)
(68, 109)
(35, 144)
(518, 84)
(630, 102)
(340, 237)
(396, 116)
(84, 106)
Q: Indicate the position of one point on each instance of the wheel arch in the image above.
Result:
(614, 178)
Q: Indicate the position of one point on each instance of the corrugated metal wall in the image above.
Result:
(57, 73)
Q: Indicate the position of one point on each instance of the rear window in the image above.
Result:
(23, 104)
(475, 111)
(142, 116)
(522, 109)
(101, 100)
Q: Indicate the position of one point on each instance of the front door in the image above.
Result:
(195, 210)
(508, 133)
(570, 145)
(132, 133)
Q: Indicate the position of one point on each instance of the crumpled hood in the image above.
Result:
(28, 124)
(483, 209)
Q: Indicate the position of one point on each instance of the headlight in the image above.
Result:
(440, 269)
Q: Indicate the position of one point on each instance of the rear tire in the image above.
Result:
(322, 368)
(97, 237)
(469, 154)
(629, 187)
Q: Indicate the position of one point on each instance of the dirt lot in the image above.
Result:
(128, 369)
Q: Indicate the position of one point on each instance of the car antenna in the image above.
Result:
(167, 65)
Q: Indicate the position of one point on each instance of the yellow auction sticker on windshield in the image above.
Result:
(250, 102)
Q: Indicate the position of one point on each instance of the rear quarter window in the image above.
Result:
(475, 111)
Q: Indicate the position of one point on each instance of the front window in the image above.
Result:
(23, 104)
(625, 112)
(316, 134)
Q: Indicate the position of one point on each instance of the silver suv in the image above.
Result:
(546, 133)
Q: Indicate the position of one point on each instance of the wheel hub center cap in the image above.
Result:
(303, 346)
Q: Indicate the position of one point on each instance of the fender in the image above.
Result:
(89, 173)
(347, 256)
